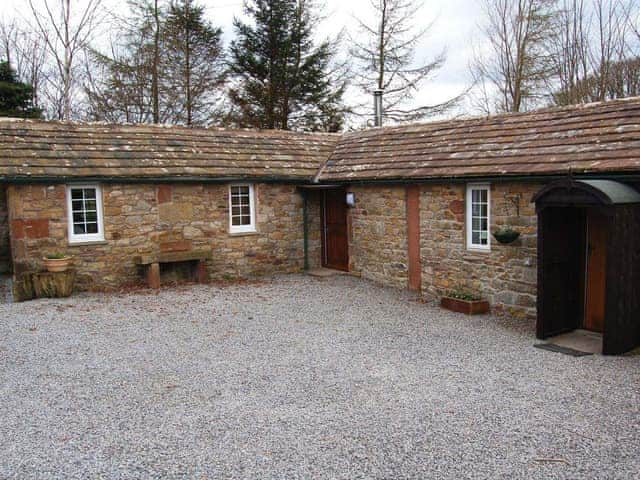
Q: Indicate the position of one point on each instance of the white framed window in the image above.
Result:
(242, 214)
(84, 210)
(478, 216)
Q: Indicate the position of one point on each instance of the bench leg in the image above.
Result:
(201, 272)
(153, 275)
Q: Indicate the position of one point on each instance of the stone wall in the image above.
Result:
(5, 255)
(378, 234)
(507, 274)
(145, 218)
(314, 223)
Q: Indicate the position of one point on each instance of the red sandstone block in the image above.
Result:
(165, 193)
(37, 228)
(457, 207)
(17, 229)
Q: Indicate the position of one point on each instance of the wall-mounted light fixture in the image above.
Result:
(351, 199)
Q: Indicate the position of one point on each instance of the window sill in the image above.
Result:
(478, 250)
(244, 234)
(85, 244)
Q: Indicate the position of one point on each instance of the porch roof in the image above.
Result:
(570, 191)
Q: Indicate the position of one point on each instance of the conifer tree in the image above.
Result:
(281, 78)
(15, 96)
(194, 70)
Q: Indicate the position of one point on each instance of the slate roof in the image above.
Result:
(593, 138)
(37, 149)
(588, 139)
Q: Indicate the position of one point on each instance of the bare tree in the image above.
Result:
(517, 64)
(65, 33)
(385, 51)
(27, 55)
(155, 65)
(591, 48)
(569, 51)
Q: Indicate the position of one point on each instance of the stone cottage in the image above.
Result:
(411, 207)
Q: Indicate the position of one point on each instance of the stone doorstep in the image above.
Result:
(581, 340)
(325, 272)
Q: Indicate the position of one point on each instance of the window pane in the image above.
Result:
(475, 238)
(244, 190)
(79, 229)
(483, 225)
(77, 205)
(475, 196)
(475, 210)
(78, 217)
(90, 193)
(235, 221)
(91, 216)
(235, 190)
(92, 228)
(246, 220)
(245, 210)
(235, 211)
(76, 194)
(90, 205)
(483, 196)
(475, 224)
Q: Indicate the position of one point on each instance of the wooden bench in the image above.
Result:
(152, 262)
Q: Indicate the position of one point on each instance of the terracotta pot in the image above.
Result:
(57, 264)
(468, 307)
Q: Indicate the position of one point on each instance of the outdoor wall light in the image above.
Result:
(351, 199)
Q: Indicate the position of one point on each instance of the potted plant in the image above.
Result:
(464, 302)
(506, 235)
(57, 262)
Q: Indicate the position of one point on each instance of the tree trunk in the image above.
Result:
(155, 90)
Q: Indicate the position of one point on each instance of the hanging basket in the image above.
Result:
(506, 236)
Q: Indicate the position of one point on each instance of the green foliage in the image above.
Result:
(177, 76)
(56, 256)
(460, 293)
(282, 80)
(505, 230)
(120, 88)
(15, 96)
(194, 68)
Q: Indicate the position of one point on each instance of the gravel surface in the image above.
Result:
(297, 377)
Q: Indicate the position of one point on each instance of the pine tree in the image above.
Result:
(124, 84)
(195, 71)
(15, 96)
(282, 80)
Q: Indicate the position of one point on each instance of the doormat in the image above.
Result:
(557, 348)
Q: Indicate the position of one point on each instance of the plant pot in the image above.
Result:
(57, 264)
(468, 307)
(506, 237)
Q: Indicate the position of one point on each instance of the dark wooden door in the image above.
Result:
(335, 239)
(596, 271)
(561, 280)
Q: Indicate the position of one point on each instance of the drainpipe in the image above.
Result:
(377, 106)
(305, 228)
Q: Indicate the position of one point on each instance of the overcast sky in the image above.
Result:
(455, 28)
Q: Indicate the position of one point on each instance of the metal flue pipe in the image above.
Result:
(377, 107)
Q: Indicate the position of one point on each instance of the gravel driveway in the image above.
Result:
(298, 377)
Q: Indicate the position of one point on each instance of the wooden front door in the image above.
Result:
(335, 235)
(596, 272)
